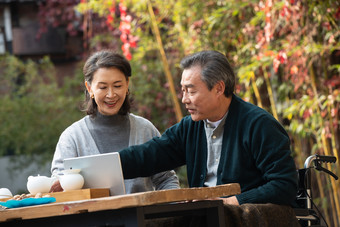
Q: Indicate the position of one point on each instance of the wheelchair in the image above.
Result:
(306, 210)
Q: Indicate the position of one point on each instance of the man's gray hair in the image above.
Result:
(215, 67)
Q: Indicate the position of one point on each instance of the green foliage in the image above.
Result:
(148, 83)
(34, 110)
(150, 93)
(285, 40)
(289, 47)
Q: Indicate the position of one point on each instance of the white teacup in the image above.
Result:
(71, 180)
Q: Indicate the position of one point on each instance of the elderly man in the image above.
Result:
(223, 140)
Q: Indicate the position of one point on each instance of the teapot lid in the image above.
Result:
(38, 176)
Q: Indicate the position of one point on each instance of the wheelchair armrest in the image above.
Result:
(301, 212)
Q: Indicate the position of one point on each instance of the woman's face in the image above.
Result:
(109, 87)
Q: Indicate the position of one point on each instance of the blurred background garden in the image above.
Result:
(286, 54)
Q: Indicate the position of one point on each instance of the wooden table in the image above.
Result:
(125, 210)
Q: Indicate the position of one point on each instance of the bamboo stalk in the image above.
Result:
(335, 153)
(325, 145)
(331, 126)
(270, 93)
(298, 144)
(322, 196)
(85, 22)
(87, 26)
(334, 200)
(320, 186)
(256, 90)
(251, 100)
(155, 30)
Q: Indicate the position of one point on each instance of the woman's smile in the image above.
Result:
(110, 103)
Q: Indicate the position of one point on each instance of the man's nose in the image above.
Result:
(185, 98)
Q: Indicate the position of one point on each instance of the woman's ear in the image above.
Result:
(127, 83)
(88, 88)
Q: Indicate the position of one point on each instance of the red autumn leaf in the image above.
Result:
(294, 69)
(122, 9)
(112, 9)
(109, 19)
(125, 47)
(128, 55)
(269, 53)
(276, 64)
(123, 37)
(124, 27)
(133, 44)
(282, 56)
(307, 114)
(333, 82)
(337, 14)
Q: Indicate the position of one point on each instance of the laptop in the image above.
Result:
(100, 171)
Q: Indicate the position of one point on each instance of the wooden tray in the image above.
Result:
(74, 195)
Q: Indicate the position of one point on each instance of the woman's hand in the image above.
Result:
(56, 187)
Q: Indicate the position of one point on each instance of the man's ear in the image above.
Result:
(220, 87)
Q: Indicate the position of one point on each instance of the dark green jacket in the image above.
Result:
(255, 153)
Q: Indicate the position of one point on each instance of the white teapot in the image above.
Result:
(36, 184)
(5, 193)
(71, 180)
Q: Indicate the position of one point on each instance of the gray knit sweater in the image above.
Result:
(77, 140)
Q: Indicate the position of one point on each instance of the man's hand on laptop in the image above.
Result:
(56, 187)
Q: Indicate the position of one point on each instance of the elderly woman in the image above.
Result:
(109, 126)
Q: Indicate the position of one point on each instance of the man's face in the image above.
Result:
(199, 101)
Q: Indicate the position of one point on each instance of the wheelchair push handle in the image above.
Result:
(323, 158)
(317, 160)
